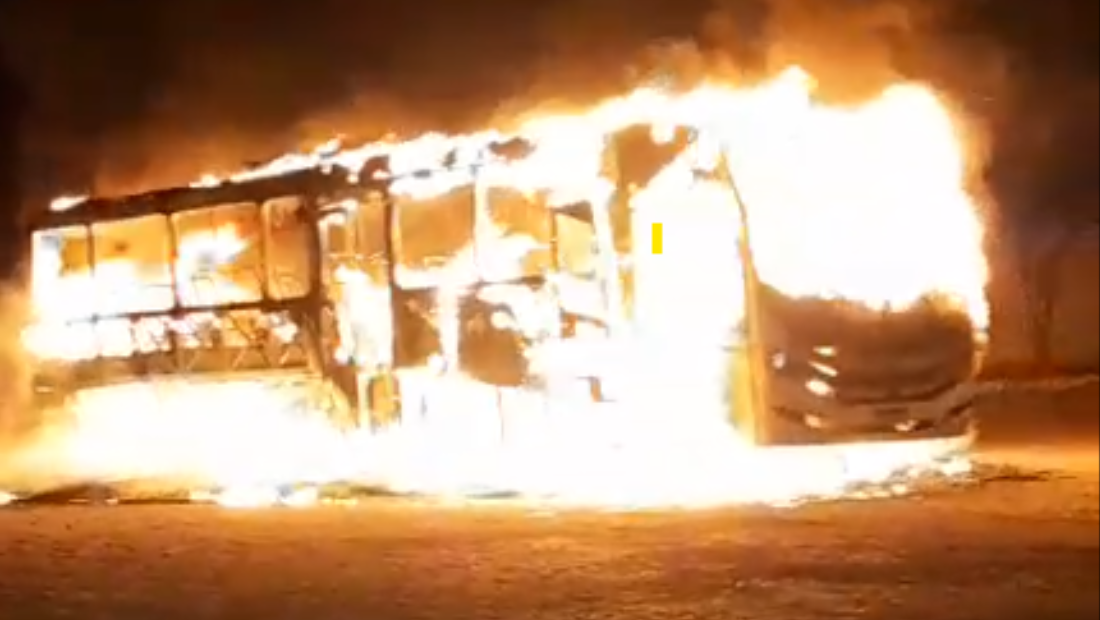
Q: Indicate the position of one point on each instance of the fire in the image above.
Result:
(64, 203)
(828, 187)
(112, 290)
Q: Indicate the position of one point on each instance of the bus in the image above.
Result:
(348, 288)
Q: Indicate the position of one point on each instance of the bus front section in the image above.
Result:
(832, 370)
(807, 321)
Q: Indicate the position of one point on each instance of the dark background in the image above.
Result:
(111, 96)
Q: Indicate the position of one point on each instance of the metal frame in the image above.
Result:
(318, 187)
(306, 352)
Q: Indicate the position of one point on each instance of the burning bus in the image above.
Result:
(813, 275)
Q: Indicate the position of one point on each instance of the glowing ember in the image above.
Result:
(864, 204)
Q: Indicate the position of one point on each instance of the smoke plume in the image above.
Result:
(203, 91)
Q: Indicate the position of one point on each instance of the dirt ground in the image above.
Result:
(1022, 544)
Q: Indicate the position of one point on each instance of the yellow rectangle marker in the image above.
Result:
(658, 239)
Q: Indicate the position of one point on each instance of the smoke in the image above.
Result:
(210, 87)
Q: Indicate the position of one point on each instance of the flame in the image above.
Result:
(64, 203)
(863, 203)
(62, 304)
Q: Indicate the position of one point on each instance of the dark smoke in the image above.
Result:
(131, 95)
(125, 96)
(11, 112)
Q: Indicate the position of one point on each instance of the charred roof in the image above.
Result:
(311, 181)
(333, 173)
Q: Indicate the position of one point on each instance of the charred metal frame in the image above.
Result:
(313, 352)
(306, 352)
(318, 188)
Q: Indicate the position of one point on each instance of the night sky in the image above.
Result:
(120, 95)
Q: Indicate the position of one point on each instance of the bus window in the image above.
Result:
(132, 265)
(61, 276)
(370, 225)
(289, 247)
(519, 244)
(336, 242)
(580, 290)
(63, 295)
(576, 245)
(336, 236)
(355, 275)
(432, 235)
(353, 236)
(220, 258)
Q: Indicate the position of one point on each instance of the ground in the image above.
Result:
(1021, 545)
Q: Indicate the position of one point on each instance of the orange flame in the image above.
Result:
(864, 203)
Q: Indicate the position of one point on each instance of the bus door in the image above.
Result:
(511, 307)
(434, 273)
(355, 280)
(583, 284)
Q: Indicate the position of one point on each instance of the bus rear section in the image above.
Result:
(179, 305)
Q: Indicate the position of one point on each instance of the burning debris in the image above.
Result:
(485, 313)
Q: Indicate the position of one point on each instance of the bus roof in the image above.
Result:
(186, 198)
(317, 177)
